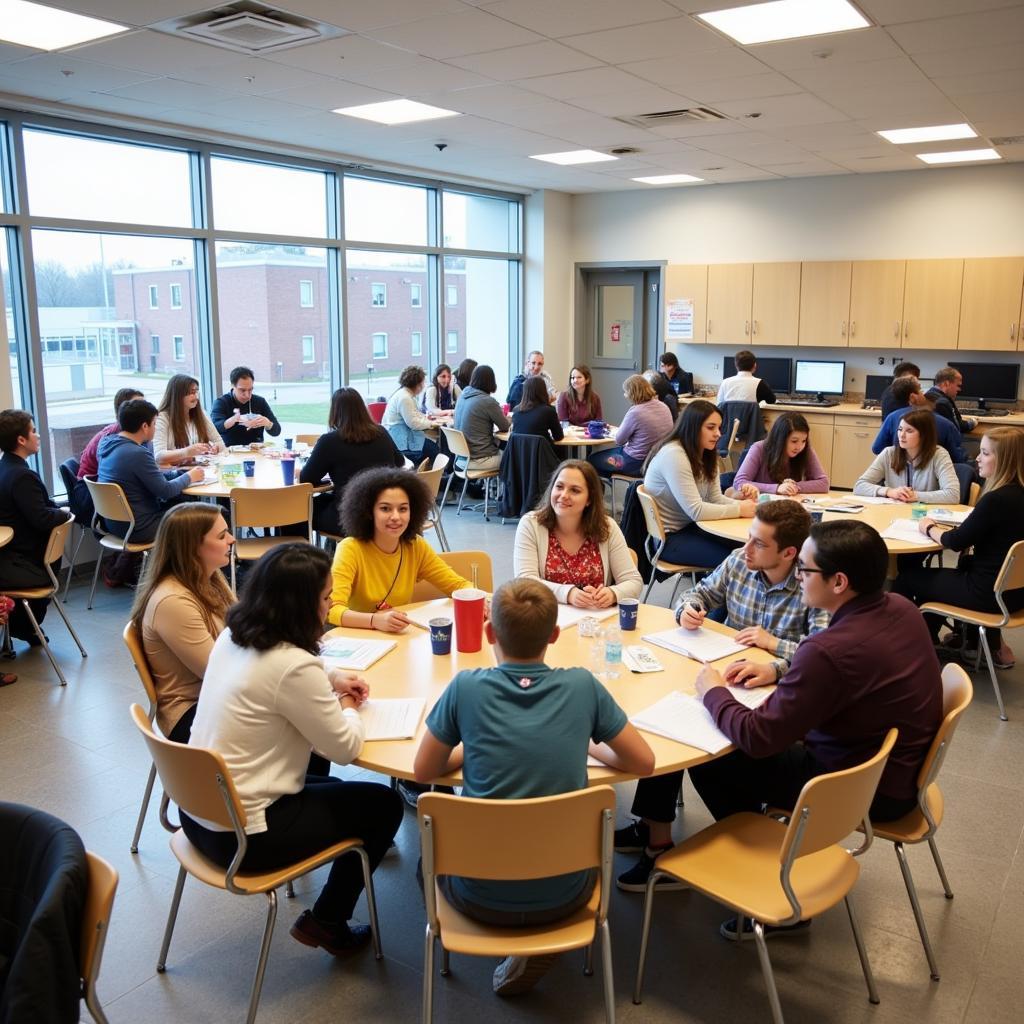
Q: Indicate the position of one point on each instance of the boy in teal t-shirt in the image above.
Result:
(525, 731)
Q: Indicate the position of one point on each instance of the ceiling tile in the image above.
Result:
(635, 103)
(893, 12)
(331, 93)
(778, 111)
(455, 35)
(532, 61)
(257, 109)
(913, 98)
(337, 57)
(174, 92)
(416, 79)
(136, 12)
(896, 71)
(865, 163)
(17, 86)
(747, 87)
(565, 17)
(491, 101)
(970, 85)
(368, 15)
(1002, 104)
(9, 52)
(840, 47)
(671, 38)
(592, 82)
(972, 60)
(254, 76)
(698, 67)
(75, 74)
(125, 105)
(981, 28)
(155, 52)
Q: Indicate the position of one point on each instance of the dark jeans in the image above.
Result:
(615, 460)
(183, 726)
(326, 811)
(693, 546)
(19, 572)
(429, 451)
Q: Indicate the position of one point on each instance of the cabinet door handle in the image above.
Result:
(906, 328)
(709, 327)
(755, 327)
(1013, 331)
(896, 329)
(853, 328)
(842, 330)
(860, 435)
(746, 326)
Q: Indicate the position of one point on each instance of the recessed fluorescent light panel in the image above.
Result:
(46, 28)
(668, 179)
(934, 133)
(397, 112)
(959, 156)
(785, 19)
(575, 156)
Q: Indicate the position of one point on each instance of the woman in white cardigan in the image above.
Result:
(570, 544)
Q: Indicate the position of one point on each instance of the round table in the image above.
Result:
(268, 474)
(577, 440)
(412, 670)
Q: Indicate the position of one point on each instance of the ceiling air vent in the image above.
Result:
(688, 115)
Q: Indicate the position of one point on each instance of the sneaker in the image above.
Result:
(633, 838)
(517, 974)
(969, 655)
(7, 678)
(635, 879)
(771, 931)
(338, 939)
(410, 791)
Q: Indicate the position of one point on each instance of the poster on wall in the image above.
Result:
(679, 320)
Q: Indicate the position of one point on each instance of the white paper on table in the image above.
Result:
(945, 515)
(905, 530)
(395, 718)
(752, 698)
(868, 499)
(436, 610)
(569, 615)
(354, 655)
(683, 719)
(210, 474)
(699, 644)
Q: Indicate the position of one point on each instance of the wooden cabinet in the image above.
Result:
(825, 303)
(852, 437)
(931, 303)
(730, 286)
(775, 304)
(990, 304)
(687, 281)
(876, 303)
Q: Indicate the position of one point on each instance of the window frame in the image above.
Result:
(311, 338)
(154, 296)
(304, 287)
(415, 295)
(178, 346)
(416, 344)
(171, 288)
(373, 345)
(383, 293)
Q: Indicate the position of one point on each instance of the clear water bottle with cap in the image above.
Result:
(612, 652)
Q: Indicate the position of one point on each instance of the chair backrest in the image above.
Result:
(457, 443)
(110, 502)
(271, 506)
(431, 478)
(652, 517)
(965, 476)
(376, 410)
(310, 439)
(461, 562)
(441, 461)
(635, 557)
(99, 901)
(197, 780)
(832, 806)
(58, 537)
(1011, 575)
(133, 641)
(69, 474)
(957, 693)
(975, 493)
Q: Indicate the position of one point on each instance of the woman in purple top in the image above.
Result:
(579, 403)
(784, 462)
(646, 422)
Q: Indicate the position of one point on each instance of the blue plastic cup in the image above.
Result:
(441, 636)
(288, 442)
(628, 609)
(249, 466)
(288, 471)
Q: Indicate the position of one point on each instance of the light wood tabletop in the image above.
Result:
(577, 440)
(412, 670)
(268, 473)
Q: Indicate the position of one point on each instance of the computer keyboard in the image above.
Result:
(809, 403)
(991, 412)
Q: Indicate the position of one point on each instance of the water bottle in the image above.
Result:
(612, 652)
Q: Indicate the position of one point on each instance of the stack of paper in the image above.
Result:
(569, 615)
(905, 530)
(392, 719)
(355, 655)
(945, 515)
(699, 644)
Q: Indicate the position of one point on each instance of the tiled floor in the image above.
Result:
(74, 753)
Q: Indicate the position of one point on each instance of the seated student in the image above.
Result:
(579, 403)
(915, 468)
(744, 386)
(383, 554)
(534, 414)
(570, 545)
(27, 508)
(265, 704)
(646, 422)
(183, 430)
(907, 390)
(464, 371)
(89, 462)
(947, 384)
(677, 379)
(681, 474)
(125, 459)
(664, 391)
(443, 392)
(404, 421)
(994, 526)
(784, 462)
(545, 721)
(757, 585)
(534, 368)
(888, 403)
(180, 606)
(240, 416)
(478, 415)
(353, 443)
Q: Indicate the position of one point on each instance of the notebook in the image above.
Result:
(355, 655)
(699, 644)
(395, 718)
(684, 719)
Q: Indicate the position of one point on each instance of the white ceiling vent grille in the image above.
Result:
(251, 28)
(688, 115)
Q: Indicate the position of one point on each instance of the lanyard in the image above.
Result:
(382, 603)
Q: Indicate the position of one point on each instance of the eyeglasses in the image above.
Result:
(802, 570)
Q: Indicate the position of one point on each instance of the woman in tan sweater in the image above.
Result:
(180, 607)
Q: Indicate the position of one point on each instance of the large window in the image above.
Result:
(416, 344)
(480, 222)
(308, 348)
(10, 319)
(175, 296)
(382, 211)
(380, 345)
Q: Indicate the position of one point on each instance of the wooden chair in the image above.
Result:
(500, 839)
(431, 476)
(199, 782)
(1011, 577)
(921, 824)
(310, 439)
(54, 550)
(99, 901)
(459, 447)
(655, 543)
(110, 503)
(461, 562)
(266, 507)
(780, 874)
(727, 456)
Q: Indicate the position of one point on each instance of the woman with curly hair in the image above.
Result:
(403, 420)
(183, 430)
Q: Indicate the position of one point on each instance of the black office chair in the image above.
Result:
(80, 503)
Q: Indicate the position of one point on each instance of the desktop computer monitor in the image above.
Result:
(819, 377)
(989, 382)
(775, 372)
(874, 385)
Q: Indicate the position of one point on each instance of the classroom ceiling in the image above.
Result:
(541, 76)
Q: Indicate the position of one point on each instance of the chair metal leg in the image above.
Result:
(179, 885)
(165, 821)
(588, 959)
(67, 622)
(71, 564)
(862, 952)
(371, 901)
(675, 589)
(446, 966)
(766, 970)
(42, 641)
(983, 637)
(94, 1008)
(261, 965)
(289, 890)
(462, 495)
(609, 975)
(645, 933)
(427, 1012)
(95, 577)
(938, 867)
(915, 905)
(142, 810)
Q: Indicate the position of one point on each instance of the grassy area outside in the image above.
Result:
(302, 412)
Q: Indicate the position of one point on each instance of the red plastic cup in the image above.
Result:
(469, 619)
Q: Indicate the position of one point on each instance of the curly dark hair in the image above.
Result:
(412, 377)
(363, 490)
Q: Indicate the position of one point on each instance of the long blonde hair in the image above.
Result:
(1009, 446)
(175, 554)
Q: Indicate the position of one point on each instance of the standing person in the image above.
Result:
(353, 443)
(443, 392)
(675, 376)
(907, 391)
(915, 468)
(995, 525)
(889, 402)
(464, 372)
(534, 368)
(404, 421)
(478, 415)
(646, 422)
(744, 386)
(183, 430)
(534, 414)
(266, 703)
(947, 384)
(180, 607)
(572, 546)
(518, 730)
(579, 403)
(241, 416)
(27, 508)
(681, 474)
(784, 462)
